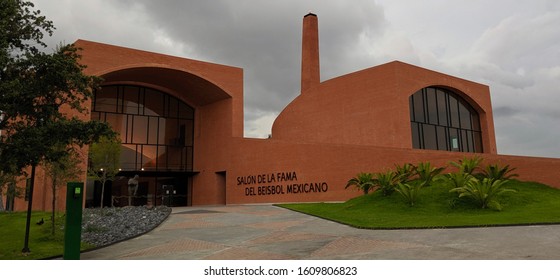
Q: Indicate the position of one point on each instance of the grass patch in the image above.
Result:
(41, 242)
(533, 203)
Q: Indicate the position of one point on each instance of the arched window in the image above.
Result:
(442, 120)
(156, 128)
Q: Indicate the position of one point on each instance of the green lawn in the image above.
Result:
(533, 203)
(41, 243)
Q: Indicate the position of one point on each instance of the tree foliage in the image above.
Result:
(21, 29)
(34, 87)
(104, 161)
(67, 168)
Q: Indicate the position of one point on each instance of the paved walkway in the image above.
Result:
(267, 232)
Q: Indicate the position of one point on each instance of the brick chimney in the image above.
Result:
(310, 71)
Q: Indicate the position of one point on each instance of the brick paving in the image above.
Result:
(352, 245)
(177, 246)
(283, 236)
(246, 254)
(266, 232)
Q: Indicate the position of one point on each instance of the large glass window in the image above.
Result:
(442, 120)
(156, 129)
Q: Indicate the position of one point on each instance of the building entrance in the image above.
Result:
(154, 189)
(157, 135)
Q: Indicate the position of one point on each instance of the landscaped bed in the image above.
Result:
(100, 227)
(437, 207)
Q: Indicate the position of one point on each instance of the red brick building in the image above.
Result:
(181, 126)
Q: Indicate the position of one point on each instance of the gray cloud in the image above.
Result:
(514, 48)
(264, 38)
(505, 112)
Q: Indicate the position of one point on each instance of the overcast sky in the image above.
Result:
(511, 46)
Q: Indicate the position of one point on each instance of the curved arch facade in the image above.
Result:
(365, 121)
(358, 109)
(176, 118)
(440, 119)
(156, 129)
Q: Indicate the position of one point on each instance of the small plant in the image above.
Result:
(363, 181)
(427, 173)
(459, 179)
(386, 181)
(468, 165)
(484, 192)
(405, 172)
(497, 172)
(410, 191)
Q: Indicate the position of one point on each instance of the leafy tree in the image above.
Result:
(34, 86)
(104, 157)
(363, 181)
(21, 31)
(65, 169)
(484, 192)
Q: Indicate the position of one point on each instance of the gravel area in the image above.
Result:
(106, 226)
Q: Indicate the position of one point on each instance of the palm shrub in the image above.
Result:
(484, 192)
(405, 172)
(427, 173)
(468, 165)
(459, 179)
(386, 181)
(363, 181)
(497, 172)
(410, 191)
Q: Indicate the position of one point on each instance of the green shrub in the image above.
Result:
(468, 165)
(483, 187)
(483, 192)
(458, 179)
(410, 191)
(427, 173)
(405, 172)
(363, 181)
(497, 172)
(386, 181)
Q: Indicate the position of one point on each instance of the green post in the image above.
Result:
(73, 228)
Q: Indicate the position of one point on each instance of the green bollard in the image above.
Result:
(73, 228)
